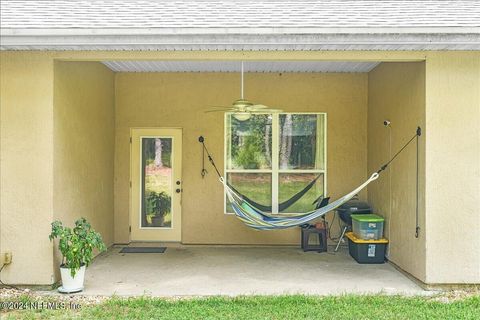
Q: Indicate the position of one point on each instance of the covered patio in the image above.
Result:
(239, 270)
(87, 109)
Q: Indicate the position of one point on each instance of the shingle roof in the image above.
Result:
(240, 25)
(93, 14)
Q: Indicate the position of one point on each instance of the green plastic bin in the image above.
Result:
(367, 226)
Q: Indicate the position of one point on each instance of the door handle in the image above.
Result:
(178, 190)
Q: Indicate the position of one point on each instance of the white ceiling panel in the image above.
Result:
(234, 66)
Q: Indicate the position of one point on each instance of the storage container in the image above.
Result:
(367, 226)
(366, 251)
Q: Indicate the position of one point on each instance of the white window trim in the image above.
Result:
(275, 159)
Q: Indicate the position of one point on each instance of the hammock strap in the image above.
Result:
(204, 171)
(201, 139)
(418, 133)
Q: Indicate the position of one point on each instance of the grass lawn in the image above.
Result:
(281, 307)
(260, 191)
(159, 180)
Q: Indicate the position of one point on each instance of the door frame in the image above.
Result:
(154, 234)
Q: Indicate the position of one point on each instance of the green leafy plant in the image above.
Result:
(159, 203)
(77, 244)
(250, 156)
(250, 142)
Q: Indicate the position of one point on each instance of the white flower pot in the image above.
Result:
(72, 284)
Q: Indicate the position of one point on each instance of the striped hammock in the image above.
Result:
(260, 220)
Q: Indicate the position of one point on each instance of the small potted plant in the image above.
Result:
(160, 205)
(76, 246)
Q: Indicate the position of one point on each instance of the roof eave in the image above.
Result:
(113, 39)
(236, 31)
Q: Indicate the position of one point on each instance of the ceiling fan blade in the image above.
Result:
(268, 110)
(259, 106)
(220, 110)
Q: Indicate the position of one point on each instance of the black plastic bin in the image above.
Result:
(366, 251)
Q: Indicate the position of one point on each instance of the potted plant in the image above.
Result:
(160, 205)
(76, 246)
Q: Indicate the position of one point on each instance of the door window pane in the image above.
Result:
(291, 184)
(249, 142)
(301, 141)
(256, 186)
(156, 182)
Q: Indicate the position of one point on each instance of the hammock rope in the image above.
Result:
(257, 219)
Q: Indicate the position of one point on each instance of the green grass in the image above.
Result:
(158, 183)
(305, 203)
(280, 307)
(256, 191)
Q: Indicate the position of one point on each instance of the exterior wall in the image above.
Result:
(451, 136)
(84, 127)
(179, 100)
(26, 99)
(453, 167)
(396, 91)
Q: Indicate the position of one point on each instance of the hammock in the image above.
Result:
(260, 220)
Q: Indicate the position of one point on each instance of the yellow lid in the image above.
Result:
(352, 237)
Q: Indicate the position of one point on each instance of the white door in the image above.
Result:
(156, 184)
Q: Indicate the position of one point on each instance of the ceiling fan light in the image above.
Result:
(242, 116)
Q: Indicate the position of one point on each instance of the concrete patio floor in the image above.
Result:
(203, 271)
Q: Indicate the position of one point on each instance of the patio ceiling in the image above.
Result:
(234, 66)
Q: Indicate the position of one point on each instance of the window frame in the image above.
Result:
(275, 171)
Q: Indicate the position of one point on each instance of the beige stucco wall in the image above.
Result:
(84, 127)
(396, 92)
(179, 100)
(26, 203)
(453, 167)
(451, 152)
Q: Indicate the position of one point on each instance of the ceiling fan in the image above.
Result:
(243, 109)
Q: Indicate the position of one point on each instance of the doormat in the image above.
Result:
(143, 250)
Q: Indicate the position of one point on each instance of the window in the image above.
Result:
(270, 158)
